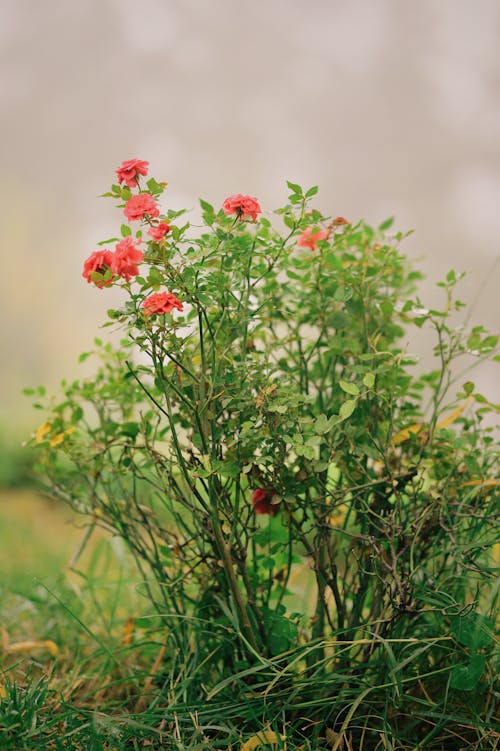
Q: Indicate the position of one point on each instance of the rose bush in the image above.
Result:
(310, 514)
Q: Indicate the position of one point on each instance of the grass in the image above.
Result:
(86, 665)
(68, 638)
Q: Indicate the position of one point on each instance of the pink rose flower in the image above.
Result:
(261, 502)
(159, 232)
(242, 206)
(309, 239)
(161, 302)
(100, 261)
(138, 206)
(125, 259)
(130, 170)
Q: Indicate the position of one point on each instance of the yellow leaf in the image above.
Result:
(59, 438)
(265, 737)
(337, 517)
(496, 553)
(42, 431)
(480, 483)
(29, 646)
(404, 434)
(128, 632)
(3, 692)
(41, 434)
(455, 414)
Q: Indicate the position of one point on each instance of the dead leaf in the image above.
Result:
(29, 646)
(264, 738)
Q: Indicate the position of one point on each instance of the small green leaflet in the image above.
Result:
(466, 676)
(349, 388)
(369, 380)
(347, 409)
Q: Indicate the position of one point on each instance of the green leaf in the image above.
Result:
(77, 415)
(125, 230)
(347, 409)
(472, 630)
(207, 207)
(323, 424)
(308, 452)
(387, 308)
(342, 294)
(312, 191)
(229, 469)
(108, 241)
(490, 342)
(277, 531)
(468, 387)
(281, 409)
(474, 341)
(129, 429)
(349, 388)
(155, 278)
(320, 466)
(294, 188)
(369, 380)
(154, 187)
(166, 554)
(387, 224)
(281, 632)
(465, 677)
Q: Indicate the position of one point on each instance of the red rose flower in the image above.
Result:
(261, 502)
(130, 170)
(100, 261)
(161, 302)
(125, 259)
(138, 206)
(242, 206)
(309, 239)
(159, 232)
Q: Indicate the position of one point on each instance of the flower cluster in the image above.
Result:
(143, 204)
(103, 266)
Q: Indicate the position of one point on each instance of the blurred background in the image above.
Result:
(391, 107)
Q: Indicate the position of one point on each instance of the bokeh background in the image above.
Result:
(391, 106)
